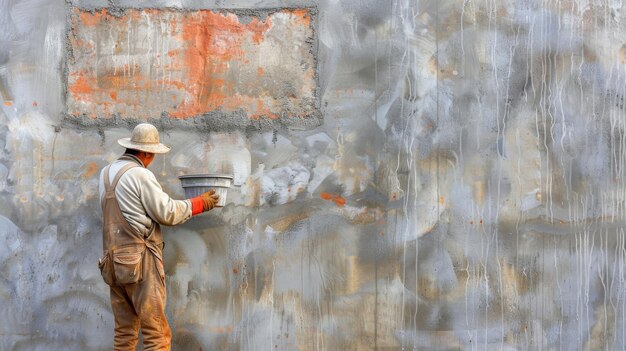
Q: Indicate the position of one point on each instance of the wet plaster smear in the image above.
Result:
(410, 175)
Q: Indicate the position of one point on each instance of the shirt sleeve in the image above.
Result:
(160, 206)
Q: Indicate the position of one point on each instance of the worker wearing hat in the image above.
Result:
(134, 206)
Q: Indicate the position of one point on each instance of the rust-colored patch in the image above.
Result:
(8, 103)
(303, 17)
(81, 86)
(337, 199)
(91, 19)
(258, 28)
(215, 39)
(326, 196)
(91, 169)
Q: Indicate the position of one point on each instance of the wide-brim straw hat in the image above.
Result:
(145, 137)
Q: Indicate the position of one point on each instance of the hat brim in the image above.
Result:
(151, 148)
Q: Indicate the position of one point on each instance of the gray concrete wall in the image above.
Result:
(463, 186)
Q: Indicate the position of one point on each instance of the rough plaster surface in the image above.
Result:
(465, 191)
(147, 63)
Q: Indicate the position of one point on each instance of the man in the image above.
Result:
(134, 206)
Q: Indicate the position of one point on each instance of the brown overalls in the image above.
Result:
(132, 266)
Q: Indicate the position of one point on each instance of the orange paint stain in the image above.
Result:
(213, 39)
(303, 16)
(90, 170)
(80, 86)
(260, 72)
(260, 107)
(8, 103)
(326, 196)
(113, 95)
(258, 29)
(107, 82)
(91, 19)
(175, 83)
(339, 201)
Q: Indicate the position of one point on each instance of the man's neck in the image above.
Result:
(134, 158)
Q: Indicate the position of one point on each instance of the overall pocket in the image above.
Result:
(128, 267)
(106, 269)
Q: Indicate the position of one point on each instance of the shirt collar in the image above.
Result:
(132, 158)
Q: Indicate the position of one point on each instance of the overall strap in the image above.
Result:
(106, 178)
(109, 187)
(106, 184)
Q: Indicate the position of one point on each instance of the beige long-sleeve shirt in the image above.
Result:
(141, 198)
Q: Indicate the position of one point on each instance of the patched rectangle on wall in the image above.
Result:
(147, 64)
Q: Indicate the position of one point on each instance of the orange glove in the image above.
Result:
(204, 202)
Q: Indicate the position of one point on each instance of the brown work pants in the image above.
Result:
(142, 305)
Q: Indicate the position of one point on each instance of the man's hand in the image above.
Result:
(209, 200)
